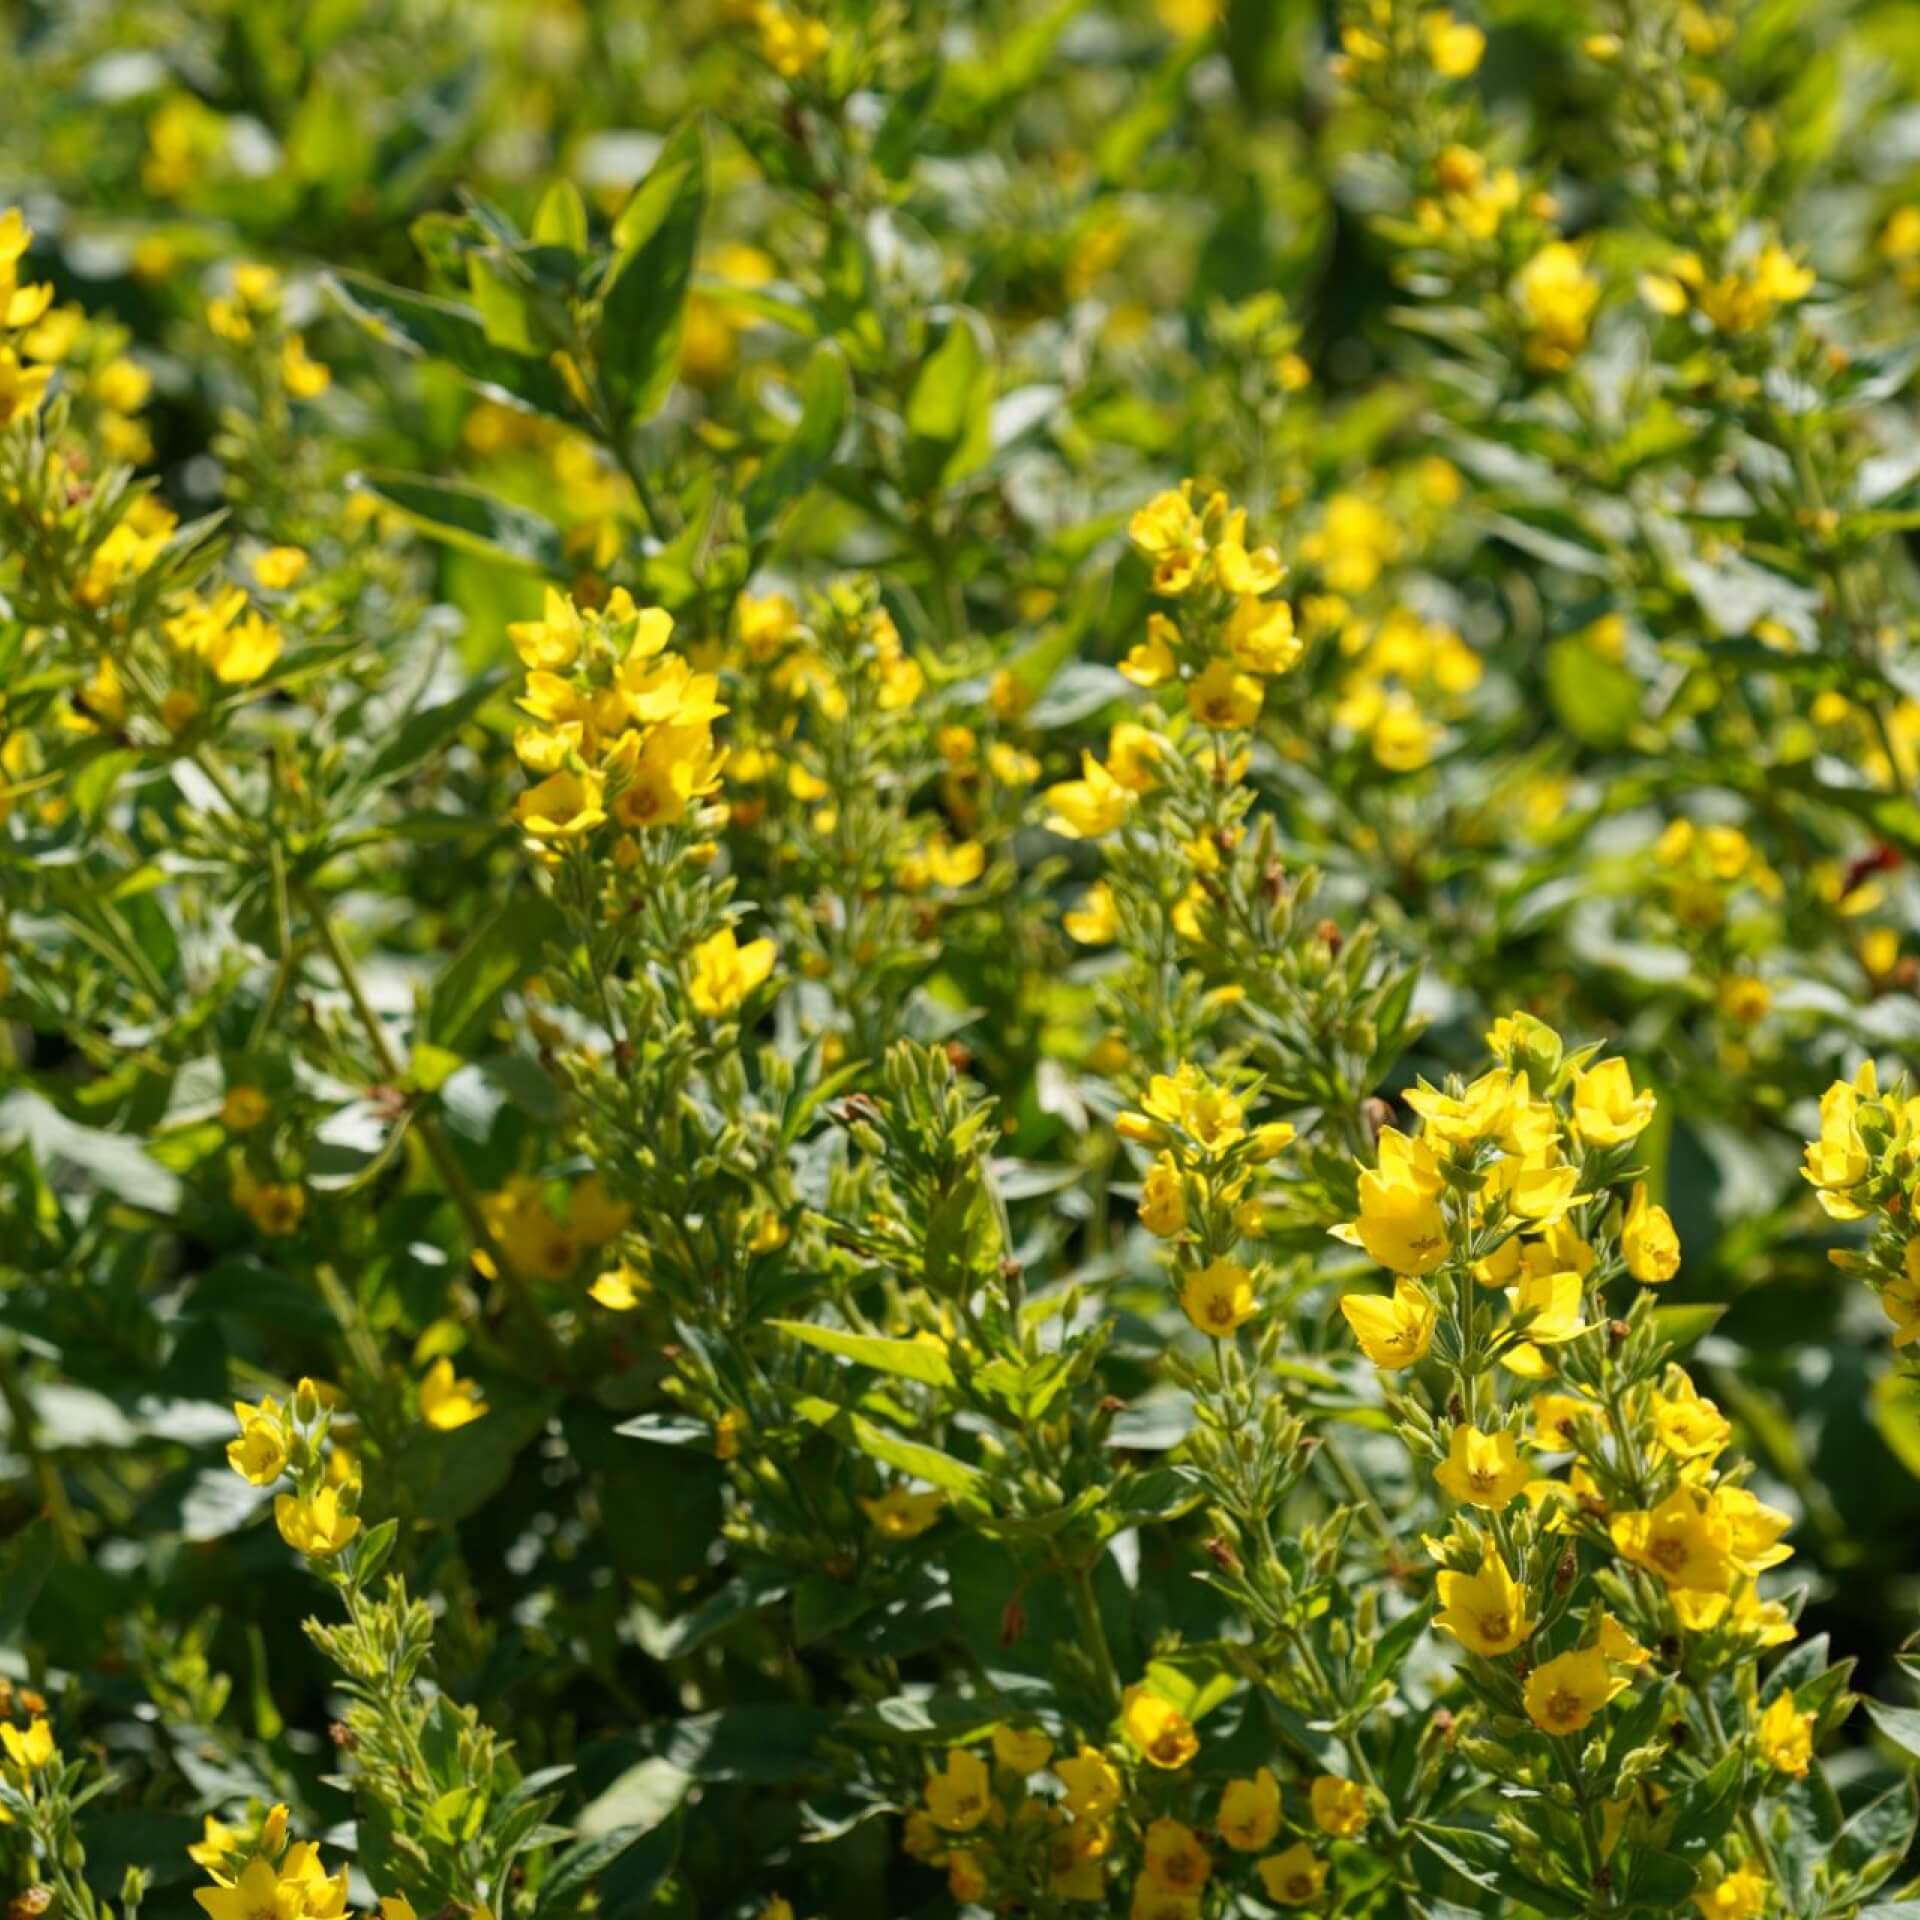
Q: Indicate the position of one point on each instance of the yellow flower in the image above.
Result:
(958, 1799)
(259, 1894)
(241, 653)
(1261, 638)
(899, 1514)
(1158, 1728)
(1021, 1750)
(1092, 1783)
(1618, 1645)
(725, 973)
(1223, 697)
(1556, 297)
(21, 388)
(1555, 1417)
(1219, 1298)
(1249, 1813)
(314, 1527)
(1339, 1806)
(1684, 1540)
(1175, 1860)
(1212, 1115)
(1293, 1878)
(550, 644)
(620, 1289)
(1454, 46)
(790, 42)
(1482, 1469)
(562, 806)
(1400, 1223)
(1163, 1199)
(1838, 1161)
(447, 1402)
(1168, 532)
(1753, 1529)
(966, 1881)
(32, 1749)
(1741, 1895)
(1688, 1426)
(1785, 1737)
(243, 1109)
(1564, 1693)
(1648, 1242)
(1151, 663)
(276, 1207)
(259, 1455)
(1606, 1110)
(216, 1841)
(1089, 807)
(1485, 1611)
(280, 567)
(304, 377)
(1393, 1330)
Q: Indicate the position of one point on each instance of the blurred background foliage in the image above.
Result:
(1165, 242)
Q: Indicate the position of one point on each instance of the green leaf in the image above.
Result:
(762, 1744)
(1680, 1327)
(1703, 1809)
(904, 1359)
(425, 731)
(1484, 1859)
(1901, 1725)
(25, 1562)
(1395, 1643)
(643, 311)
(1896, 1412)
(890, 1449)
(802, 456)
(561, 218)
(473, 521)
(938, 1719)
(446, 330)
(1875, 1840)
(497, 953)
(1597, 699)
(823, 1605)
(949, 426)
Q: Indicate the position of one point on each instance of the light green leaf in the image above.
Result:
(890, 1449)
(906, 1359)
(643, 311)
(802, 456)
(465, 517)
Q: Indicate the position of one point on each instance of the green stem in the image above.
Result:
(453, 1176)
(1086, 1609)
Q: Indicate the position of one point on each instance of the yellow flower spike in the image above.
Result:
(1162, 1733)
(447, 1402)
(1486, 1611)
(314, 1527)
(1393, 1330)
(725, 974)
(1339, 1807)
(1249, 1814)
(1784, 1737)
(959, 1798)
(1219, 1298)
(900, 1514)
(1175, 1860)
(1482, 1469)
(1564, 1694)
(1293, 1878)
(1648, 1242)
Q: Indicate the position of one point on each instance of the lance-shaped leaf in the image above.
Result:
(465, 517)
(802, 456)
(447, 330)
(950, 410)
(643, 311)
(906, 1359)
(891, 1449)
